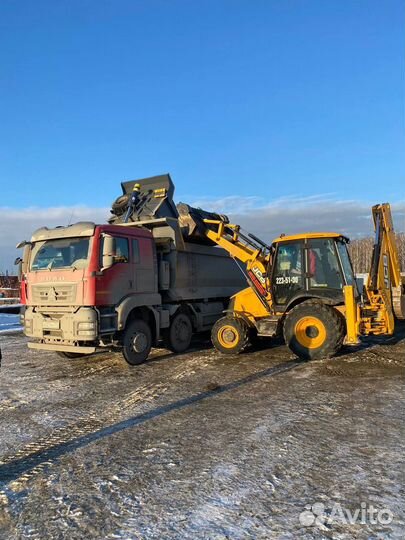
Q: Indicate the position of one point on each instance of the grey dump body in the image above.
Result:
(190, 266)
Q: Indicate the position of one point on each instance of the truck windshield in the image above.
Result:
(346, 264)
(60, 253)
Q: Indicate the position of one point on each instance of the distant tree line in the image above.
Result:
(361, 251)
(7, 281)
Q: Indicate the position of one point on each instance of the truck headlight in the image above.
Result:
(28, 325)
(86, 325)
(86, 328)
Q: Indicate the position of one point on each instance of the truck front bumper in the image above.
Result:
(62, 348)
(61, 327)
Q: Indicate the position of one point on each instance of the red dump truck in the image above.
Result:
(129, 284)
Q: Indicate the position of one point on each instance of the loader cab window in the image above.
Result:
(323, 267)
(346, 263)
(288, 271)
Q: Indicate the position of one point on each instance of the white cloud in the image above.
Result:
(265, 219)
(18, 224)
(292, 215)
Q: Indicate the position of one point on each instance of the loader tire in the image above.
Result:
(313, 330)
(230, 335)
(177, 337)
(137, 342)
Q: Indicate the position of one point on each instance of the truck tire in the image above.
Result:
(313, 330)
(71, 355)
(120, 204)
(230, 335)
(177, 337)
(137, 342)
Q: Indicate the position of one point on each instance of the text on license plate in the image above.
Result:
(50, 325)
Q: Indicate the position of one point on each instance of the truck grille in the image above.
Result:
(54, 294)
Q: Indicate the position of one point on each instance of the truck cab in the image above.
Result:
(75, 277)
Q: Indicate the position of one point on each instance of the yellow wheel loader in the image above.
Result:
(304, 287)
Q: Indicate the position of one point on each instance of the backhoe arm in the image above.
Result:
(384, 287)
(385, 268)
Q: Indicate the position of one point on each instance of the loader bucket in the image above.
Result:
(156, 199)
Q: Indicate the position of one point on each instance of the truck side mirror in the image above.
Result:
(108, 251)
(22, 244)
(22, 263)
(18, 262)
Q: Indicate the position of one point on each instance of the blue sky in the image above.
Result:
(252, 106)
(265, 98)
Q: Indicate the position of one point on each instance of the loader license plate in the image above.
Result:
(50, 325)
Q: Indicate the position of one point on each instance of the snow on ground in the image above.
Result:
(9, 322)
(197, 446)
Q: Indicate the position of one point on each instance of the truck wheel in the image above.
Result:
(230, 335)
(177, 337)
(313, 330)
(137, 342)
(71, 355)
(120, 204)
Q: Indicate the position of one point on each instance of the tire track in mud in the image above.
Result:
(21, 460)
(10, 404)
(17, 469)
(91, 423)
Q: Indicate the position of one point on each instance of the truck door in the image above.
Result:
(118, 280)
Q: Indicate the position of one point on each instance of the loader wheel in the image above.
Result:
(71, 355)
(177, 337)
(313, 330)
(137, 342)
(230, 335)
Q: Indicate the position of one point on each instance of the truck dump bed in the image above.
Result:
(190, 265)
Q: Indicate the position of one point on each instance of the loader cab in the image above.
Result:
(311, 265)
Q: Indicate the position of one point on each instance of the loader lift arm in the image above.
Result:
(242, 247)
(249, 250)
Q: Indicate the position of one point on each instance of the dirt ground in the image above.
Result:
(200, 445)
